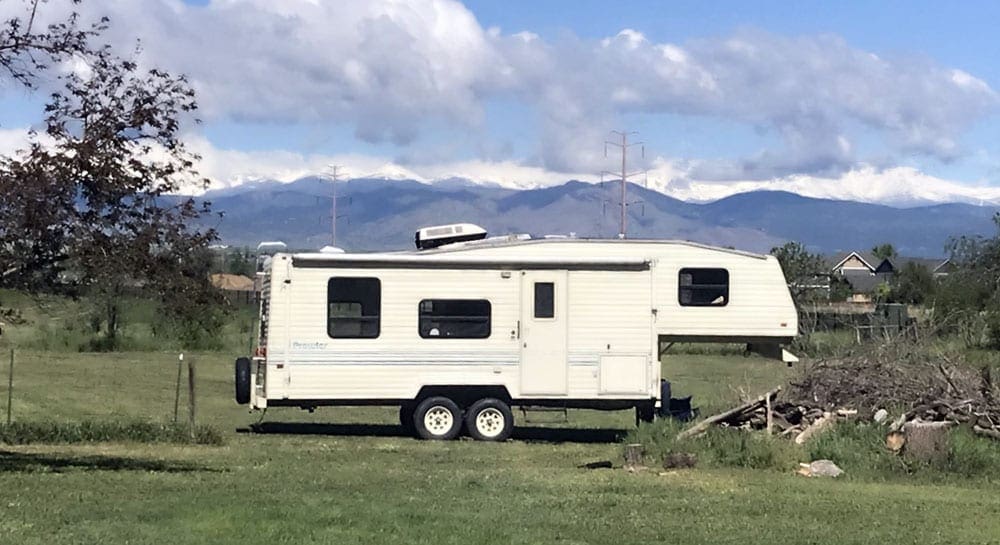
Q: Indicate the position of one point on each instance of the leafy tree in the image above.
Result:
(803, 271)
(240, 262)
(840, 289)
(884, 251)
(912, 284)
(970, 295)
(86, 208)
(28, 49)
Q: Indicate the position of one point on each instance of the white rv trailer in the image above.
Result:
(458, 334)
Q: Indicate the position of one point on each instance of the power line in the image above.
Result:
(624, 145)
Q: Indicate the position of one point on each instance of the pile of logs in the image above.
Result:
(767, 413)
(926, 385)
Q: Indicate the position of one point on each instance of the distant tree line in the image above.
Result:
(965, 301)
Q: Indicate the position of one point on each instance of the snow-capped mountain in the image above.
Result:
(382, 214)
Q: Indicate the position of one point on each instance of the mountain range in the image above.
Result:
(380, 214)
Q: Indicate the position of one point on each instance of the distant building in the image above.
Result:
(864, 272)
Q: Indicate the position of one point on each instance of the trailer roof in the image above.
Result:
(435, 260)
(521, 240)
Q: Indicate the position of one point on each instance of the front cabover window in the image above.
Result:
(703, 288)
(353, 306)
(454, 319)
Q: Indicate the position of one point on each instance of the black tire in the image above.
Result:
(243, 380)
(489, 419)
(406, 413)
(437, 418)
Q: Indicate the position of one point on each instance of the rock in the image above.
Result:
(679, 459)
(820, 468)
(880, 416)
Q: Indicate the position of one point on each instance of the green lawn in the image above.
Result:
(349, 477)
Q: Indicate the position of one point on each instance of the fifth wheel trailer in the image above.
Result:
(458, 334)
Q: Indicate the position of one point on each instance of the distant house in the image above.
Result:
(864, 272)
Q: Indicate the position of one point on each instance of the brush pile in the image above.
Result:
(910, 379)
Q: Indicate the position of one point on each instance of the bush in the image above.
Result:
(96, 431)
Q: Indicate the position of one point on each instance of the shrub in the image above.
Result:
(95, 431)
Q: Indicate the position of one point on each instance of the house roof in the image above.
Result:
(868, 259)
(874, 263)
(862, 282)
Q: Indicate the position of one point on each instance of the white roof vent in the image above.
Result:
(439, 235)
(331, 250)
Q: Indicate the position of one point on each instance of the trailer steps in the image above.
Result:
(544, 410)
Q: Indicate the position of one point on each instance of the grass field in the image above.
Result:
(349, 476)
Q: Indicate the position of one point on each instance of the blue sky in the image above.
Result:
(877, 101)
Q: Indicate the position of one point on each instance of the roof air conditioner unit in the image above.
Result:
(439, 235)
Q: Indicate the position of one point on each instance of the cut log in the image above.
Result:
(987, 432)
(702, 426)
(814, 428)
(895, 440)
(927, 441)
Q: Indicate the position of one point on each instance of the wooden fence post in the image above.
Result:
(191, 396)
(177, 388)
(10, 387)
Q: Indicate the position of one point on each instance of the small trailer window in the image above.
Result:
(545, 300)
(703, 287)
(353, 306)
(454, 318)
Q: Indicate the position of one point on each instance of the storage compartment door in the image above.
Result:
(624, 375)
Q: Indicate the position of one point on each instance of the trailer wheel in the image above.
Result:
(406, 414)
(437, 418)
(489, 419)
(243, 380)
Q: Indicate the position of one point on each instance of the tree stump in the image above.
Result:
(633, 455)
(927, 441)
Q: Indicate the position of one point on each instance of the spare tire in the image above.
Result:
(243, 380)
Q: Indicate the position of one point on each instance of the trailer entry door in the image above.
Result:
(544, 365)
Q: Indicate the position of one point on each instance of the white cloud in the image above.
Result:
(900, 186)
(392, 69)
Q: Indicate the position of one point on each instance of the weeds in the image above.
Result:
(719, 447)
(96, 431)
(857, 447)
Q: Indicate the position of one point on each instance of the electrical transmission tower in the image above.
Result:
(624, 145)
(336, 171)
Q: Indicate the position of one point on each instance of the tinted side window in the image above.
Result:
(545, 300)
(703, 287)
(353, 307)
(454, 319)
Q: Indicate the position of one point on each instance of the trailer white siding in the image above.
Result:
(759, 302)
(600, 318)
(606, 304)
